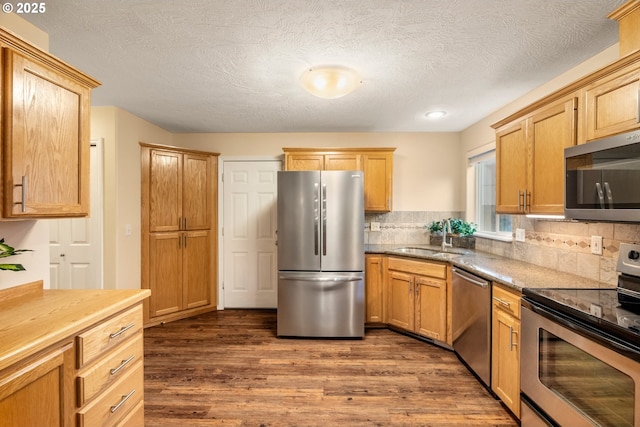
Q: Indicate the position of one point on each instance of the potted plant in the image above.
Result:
(461, 233)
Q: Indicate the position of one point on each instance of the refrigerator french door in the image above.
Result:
(321, 254)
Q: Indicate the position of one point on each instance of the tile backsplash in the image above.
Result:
(560, 245)
(402, 227)
(566, 246)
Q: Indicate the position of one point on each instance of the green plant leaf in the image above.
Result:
(12, 267)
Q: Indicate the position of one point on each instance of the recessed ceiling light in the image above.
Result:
(330, 82)
(435, 114)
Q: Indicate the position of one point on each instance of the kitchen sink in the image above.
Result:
(428, 252)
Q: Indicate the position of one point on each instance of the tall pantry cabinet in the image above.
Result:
(179, 219)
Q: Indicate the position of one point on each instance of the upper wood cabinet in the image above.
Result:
(45, 137)
(530, 159)
(612, 104)
(179, 184)
(377, 164)
(511, 167)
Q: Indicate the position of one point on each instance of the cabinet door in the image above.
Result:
(45, 142)
(39, 384)
(549, 132)
(196, 186)
(378, 173)
(505, 367)
(401, 311)
(612, 106)
(305, 162)
(373, 289)
(511, 168)
(165, 191)
(165, 273)
(342, 162)
(431, 308)
(197, 271)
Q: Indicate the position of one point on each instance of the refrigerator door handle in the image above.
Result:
(303, 278)
(324, 219)
(316, 224)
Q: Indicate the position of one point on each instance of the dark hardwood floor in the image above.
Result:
(228, 368)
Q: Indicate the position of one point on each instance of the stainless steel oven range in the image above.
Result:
(580, 355)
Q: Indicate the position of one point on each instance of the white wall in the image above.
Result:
(122, 132)
(426, 176)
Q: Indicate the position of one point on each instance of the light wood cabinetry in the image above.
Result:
(417, 297)
(69, 357)
(377, 164)
(613, 104)
(178, 238)
(374, 292)
(35, 393)
(45, 139)
(505, 351)
(530, 159)
(511, 167)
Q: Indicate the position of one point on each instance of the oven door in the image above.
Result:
(577, 379)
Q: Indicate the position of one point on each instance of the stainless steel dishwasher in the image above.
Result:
(471, 321)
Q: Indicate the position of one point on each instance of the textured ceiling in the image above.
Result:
(233, 65)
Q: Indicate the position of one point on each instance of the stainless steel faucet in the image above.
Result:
(446, 225)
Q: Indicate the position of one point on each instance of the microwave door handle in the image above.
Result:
(607, 189)
(600, 195)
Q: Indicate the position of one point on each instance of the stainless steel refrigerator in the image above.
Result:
(321, 254)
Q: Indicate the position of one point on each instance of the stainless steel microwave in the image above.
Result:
(602, 179)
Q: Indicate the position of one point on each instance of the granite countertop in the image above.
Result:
(509, 272)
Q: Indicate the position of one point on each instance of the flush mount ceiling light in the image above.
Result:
(330, 82)
(435, 114)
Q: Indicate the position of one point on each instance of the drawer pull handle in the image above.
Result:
(121, 331)
(122, 365)
(122, 401)
(502, 302)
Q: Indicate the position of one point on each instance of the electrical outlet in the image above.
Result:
(127, 230)
(596, 245)
(596, 310)
(520, 235)
(375, 226)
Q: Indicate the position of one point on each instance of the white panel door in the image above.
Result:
(75, 244)
(249, 241)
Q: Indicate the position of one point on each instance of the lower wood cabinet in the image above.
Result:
(505, 354)
(417, 297)
(72, 358)
(34, 392)
(373, 289)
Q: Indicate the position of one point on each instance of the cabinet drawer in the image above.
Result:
(135, 418)
(108, 334)
(423, 268)
(505, 300)
(108, 369)
(116, 401)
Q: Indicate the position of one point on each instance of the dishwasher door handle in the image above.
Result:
(471, 279)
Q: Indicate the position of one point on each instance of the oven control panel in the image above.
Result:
(629, 259)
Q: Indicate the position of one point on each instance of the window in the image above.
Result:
(481, 195)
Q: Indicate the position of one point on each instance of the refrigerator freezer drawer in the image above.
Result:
(324, 305)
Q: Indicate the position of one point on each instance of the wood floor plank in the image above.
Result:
(228, 368)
